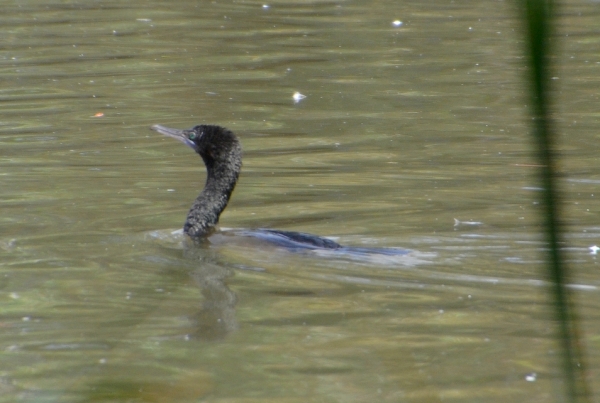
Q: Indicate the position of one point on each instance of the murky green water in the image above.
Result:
(403, 130)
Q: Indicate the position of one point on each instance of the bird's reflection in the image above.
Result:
(216, 318)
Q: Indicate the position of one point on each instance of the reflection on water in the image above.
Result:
(217, 316)
(404, 129)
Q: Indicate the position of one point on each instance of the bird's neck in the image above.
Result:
(208, 206)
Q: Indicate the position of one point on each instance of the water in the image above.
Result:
(403, 130)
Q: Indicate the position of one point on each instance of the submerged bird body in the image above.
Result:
(222, 155)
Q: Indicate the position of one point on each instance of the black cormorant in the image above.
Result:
(222, 154)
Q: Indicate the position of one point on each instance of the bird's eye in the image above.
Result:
(192, 136)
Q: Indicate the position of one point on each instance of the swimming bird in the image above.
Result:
(221, 152)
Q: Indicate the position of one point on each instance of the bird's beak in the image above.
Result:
(177, 134)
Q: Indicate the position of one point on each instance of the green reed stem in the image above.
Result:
(538, 15)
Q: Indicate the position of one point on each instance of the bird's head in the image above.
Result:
(215, 144)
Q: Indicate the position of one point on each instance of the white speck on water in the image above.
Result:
(265, 6)
(298, 97)
(531, 377)
(397, 23)
(594, 249)
(458, 222)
